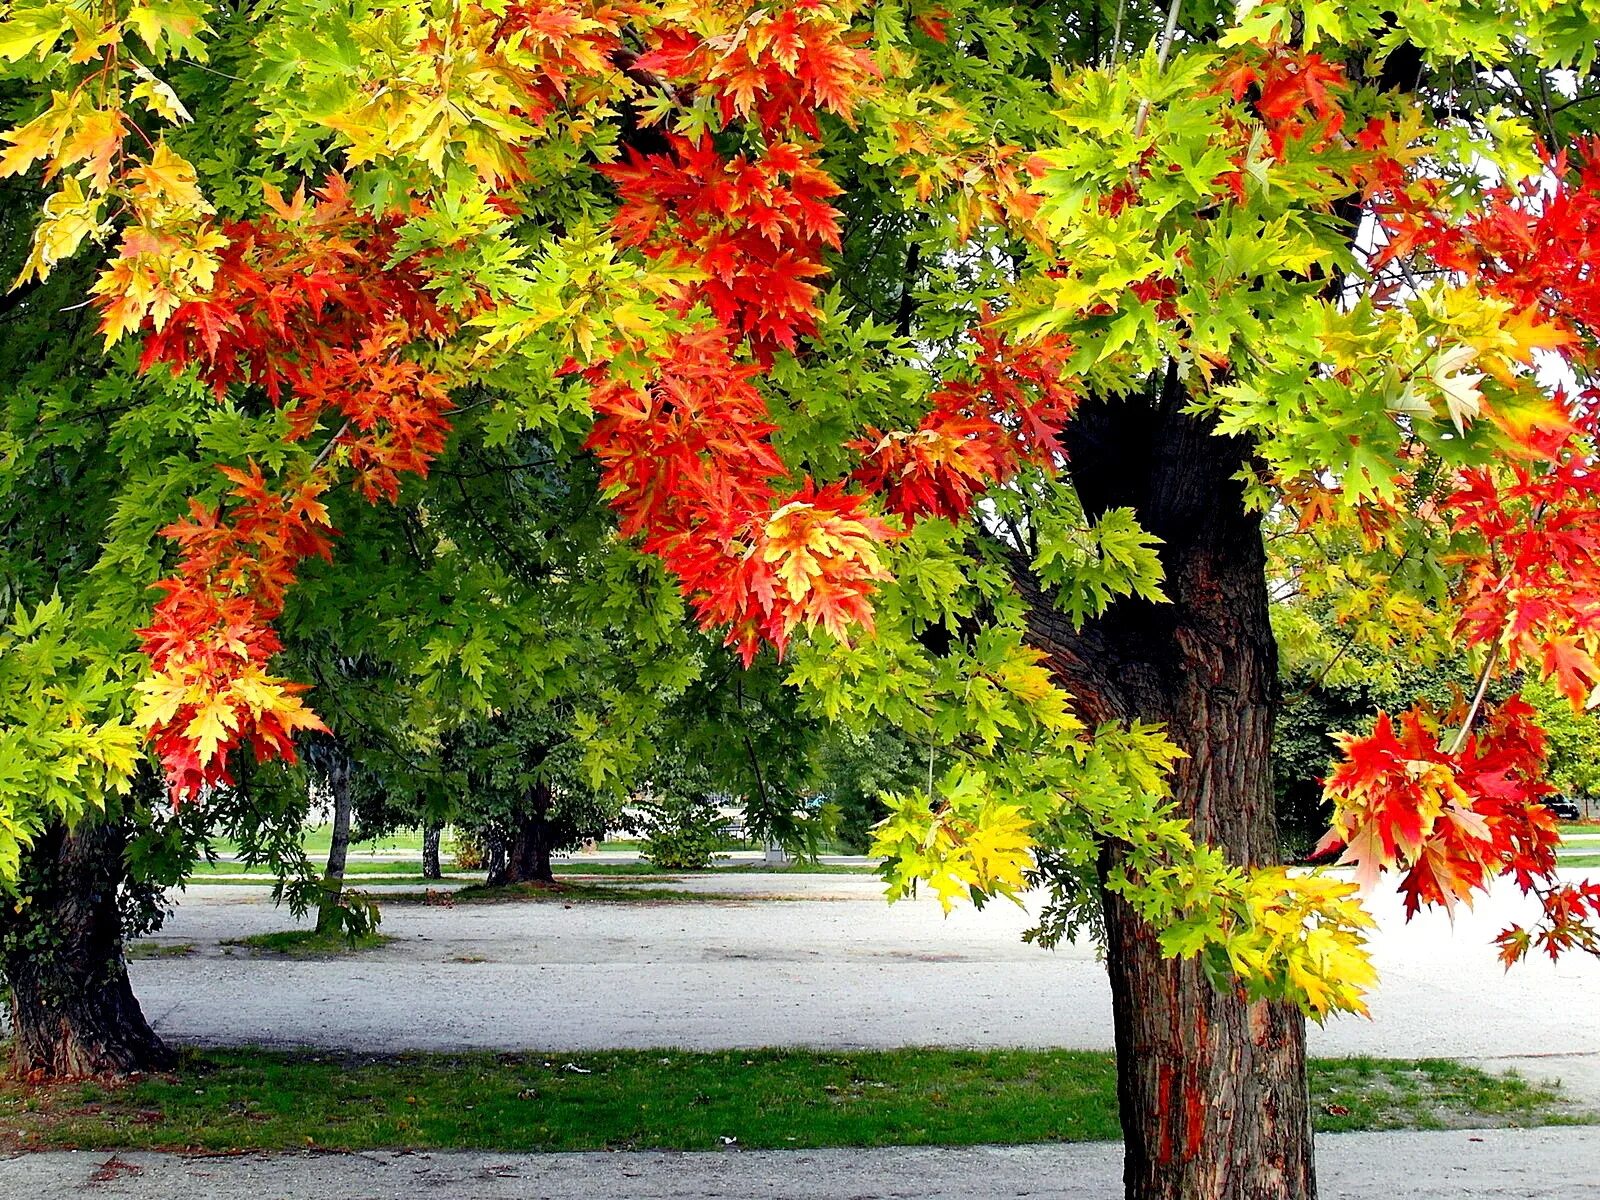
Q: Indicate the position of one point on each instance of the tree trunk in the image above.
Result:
(73, 1011)
(430, 852)
(338, 777)
(532, 840)
(1212, 1090)
(494, 859)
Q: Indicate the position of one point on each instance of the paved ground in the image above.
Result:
(577, 858)
(1502, 1164)
(835, 967)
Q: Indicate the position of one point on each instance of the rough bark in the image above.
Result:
(337, 775)
(1212, 1089)
(531, 840)
(430, 852)
(73, 1011)
(494, 859)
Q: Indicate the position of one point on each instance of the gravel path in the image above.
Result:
(1500, 1164)
(833, 966)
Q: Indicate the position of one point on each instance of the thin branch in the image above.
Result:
(18, 295)
(749, 747)
(1116, 34)
(322, 455)
(1580, 99)
(627, 61)
(1477, 703)
(1162, 50)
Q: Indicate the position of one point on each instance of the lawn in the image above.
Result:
(308, 943)
(317, 838)
(353, 869)
(1581, 853)
(222, 1100)
(579, 867)
(576, 892)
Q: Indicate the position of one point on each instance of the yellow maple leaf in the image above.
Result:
(156, 270)
(158, 95)
(39, 139)
(1528, 334)
(1000, 849)
(166, 185)
(1304, 940)
(265, 695)
(161, 696)
(69, 217)
(95, 139)
(212, 724)
(178, 22)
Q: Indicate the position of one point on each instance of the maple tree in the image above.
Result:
(995, 371)
(307, 306)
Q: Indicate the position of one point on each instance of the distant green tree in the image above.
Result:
(855, 769)
(1302, 748)
(683, 828)
(1574, 741)
(522, 792)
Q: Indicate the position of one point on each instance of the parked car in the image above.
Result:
(1564, 807)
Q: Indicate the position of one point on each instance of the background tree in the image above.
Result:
(855, 768)
(1574, 742)
(522, 788)
(332, 766)
(432, 833)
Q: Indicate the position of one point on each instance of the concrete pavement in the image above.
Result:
(1541, 1164)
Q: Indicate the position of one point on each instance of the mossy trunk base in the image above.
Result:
(73, 1011)
(339, 766)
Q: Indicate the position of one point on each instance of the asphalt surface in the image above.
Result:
(1500, 1164)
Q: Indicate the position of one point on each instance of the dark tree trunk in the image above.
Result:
(337, 774)
(73, 1011)
(1212, 1089)
(494, 858)
(532, 840)
(430, 853)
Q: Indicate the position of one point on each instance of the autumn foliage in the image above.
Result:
(978, 432)
(313, 305)
(756, 229)
(1453, 820)
(308, 306)
(706, 138)
(689, 463)
(1458, 816)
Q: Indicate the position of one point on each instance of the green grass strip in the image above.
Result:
(220, 1100)
(308, 943)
